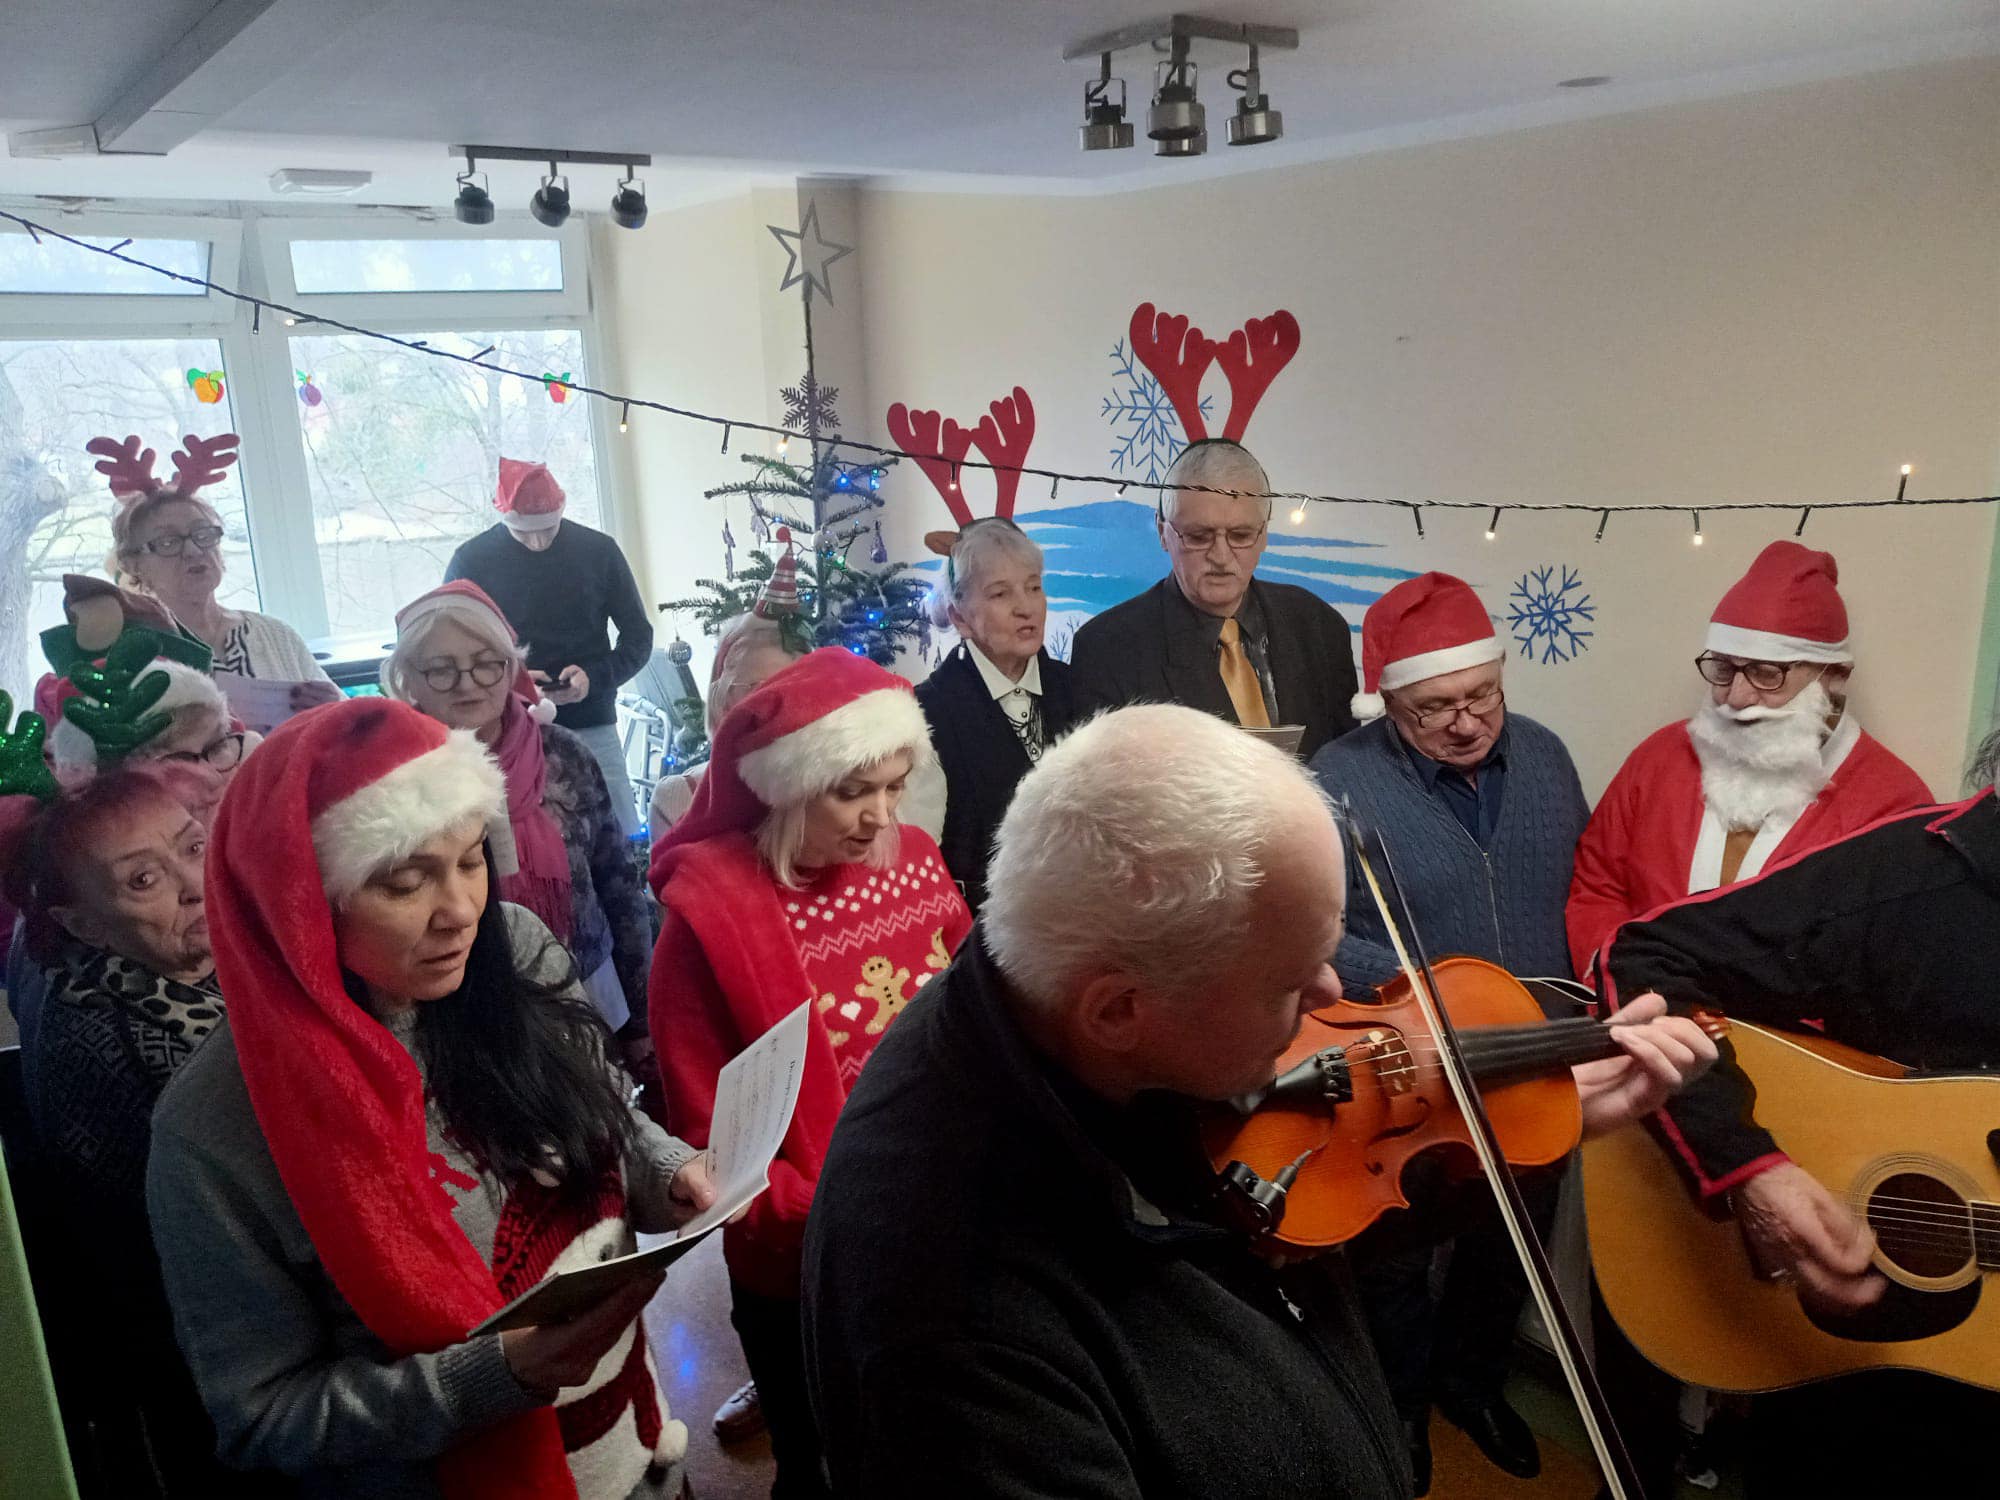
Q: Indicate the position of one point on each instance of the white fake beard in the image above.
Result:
(1757, 762)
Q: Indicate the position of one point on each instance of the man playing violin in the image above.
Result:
(1482, 810)
(1018, 1280)
(1886, 941)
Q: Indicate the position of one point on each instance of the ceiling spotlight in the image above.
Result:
(1254, 122)
(474, 205)
(550, 205)
(1177, 121)
(628, 204)
(1104, 127)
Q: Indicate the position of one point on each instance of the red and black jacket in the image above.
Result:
(1888, 940)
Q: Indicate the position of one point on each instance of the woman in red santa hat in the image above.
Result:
(409, 1119)
(790, 878)
(457, 659)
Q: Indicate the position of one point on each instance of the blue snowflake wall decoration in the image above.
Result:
(1146, 431)
(1548, 616)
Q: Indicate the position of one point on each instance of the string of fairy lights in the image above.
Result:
(833, 447)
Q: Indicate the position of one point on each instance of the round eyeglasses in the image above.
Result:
(444, 676)
(217, 755)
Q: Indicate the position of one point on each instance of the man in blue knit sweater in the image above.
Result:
(1481, 812)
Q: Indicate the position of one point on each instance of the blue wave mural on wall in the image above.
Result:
(1102, 553)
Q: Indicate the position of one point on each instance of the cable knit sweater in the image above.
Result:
(1503, 903)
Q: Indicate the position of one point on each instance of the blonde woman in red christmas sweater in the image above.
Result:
(790, 880)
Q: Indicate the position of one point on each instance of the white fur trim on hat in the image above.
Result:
(396, 814)
(816, 756)
(547, 520)
(1366, 706)
(71, 749)
(1428, 664)
(1764, 645)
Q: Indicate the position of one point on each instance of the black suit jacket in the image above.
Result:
(1153, 649)
(982, 758)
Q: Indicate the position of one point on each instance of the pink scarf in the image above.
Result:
(541, 884)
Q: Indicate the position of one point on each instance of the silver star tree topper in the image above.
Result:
(808, 253)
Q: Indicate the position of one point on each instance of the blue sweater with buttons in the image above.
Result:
(1504, 902)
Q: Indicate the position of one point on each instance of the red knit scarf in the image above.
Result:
(541, 883)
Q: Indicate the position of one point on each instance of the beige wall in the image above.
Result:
(1779, 297)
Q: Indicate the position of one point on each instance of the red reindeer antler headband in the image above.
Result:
(938, 445)
(128, 469)
(1179, 354)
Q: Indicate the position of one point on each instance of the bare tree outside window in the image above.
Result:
(402, 451)
(55, 513)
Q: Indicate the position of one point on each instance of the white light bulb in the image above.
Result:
(1299, 516)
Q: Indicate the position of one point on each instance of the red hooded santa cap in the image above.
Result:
(1786, 608)
(1423, 627)
(816, 722)
(474, 608)
(528, 497)
(334, 795)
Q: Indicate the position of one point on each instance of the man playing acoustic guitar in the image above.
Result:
(1888, 941)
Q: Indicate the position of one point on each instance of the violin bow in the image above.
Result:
(1379, 872)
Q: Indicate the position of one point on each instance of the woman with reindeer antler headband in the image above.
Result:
(999, 699)
(1211, 634)
(167, 541)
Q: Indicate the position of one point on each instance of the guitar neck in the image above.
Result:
(1498, 1054)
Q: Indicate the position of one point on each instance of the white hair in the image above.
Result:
(1137, 846)
(399, 672)
(974, 551)
(1219, 465)
(781, 837)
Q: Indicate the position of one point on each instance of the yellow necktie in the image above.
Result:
(1240, 678)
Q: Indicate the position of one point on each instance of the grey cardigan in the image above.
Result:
(1503, 903)
(288, 1372)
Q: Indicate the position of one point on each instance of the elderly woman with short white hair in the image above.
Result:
(457, 660)
(997, 701)
(791, 879)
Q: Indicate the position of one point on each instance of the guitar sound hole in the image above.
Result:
(1921, 1225)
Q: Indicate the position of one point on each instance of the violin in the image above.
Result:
(1318, 1156)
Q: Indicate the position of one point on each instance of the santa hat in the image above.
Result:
(1423, 627)
(474, 607)
(528, 497)
(819, 720)
(73, 750)
(340, 791)
(1786, 608)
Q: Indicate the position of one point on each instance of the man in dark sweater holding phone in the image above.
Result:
(561, 585)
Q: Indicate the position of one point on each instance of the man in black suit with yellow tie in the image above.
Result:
(1211, 635)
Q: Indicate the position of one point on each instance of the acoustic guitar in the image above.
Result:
(1915, 1156)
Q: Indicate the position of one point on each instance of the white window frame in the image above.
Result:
(250, 250)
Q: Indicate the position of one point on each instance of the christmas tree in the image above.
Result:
(812, 517)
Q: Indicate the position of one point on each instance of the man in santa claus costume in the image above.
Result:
(1481, 810)
(1772, 765)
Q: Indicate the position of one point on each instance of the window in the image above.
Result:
(50, 267)
(402, 450)
(428, 265)
(55, 512)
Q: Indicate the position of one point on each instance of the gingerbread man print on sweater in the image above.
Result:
(883, 983)
(827, 1003)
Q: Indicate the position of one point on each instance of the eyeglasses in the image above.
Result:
(173, 543)
(1202, 538)
(219, 755)
(1764, 676)
(444, 676)
(1478, 707)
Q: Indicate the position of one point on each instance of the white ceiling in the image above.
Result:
(968, 93)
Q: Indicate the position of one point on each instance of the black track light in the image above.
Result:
(474, 205)
(550, 205)
(628, 204)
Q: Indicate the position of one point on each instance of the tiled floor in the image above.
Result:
(700, 1365)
